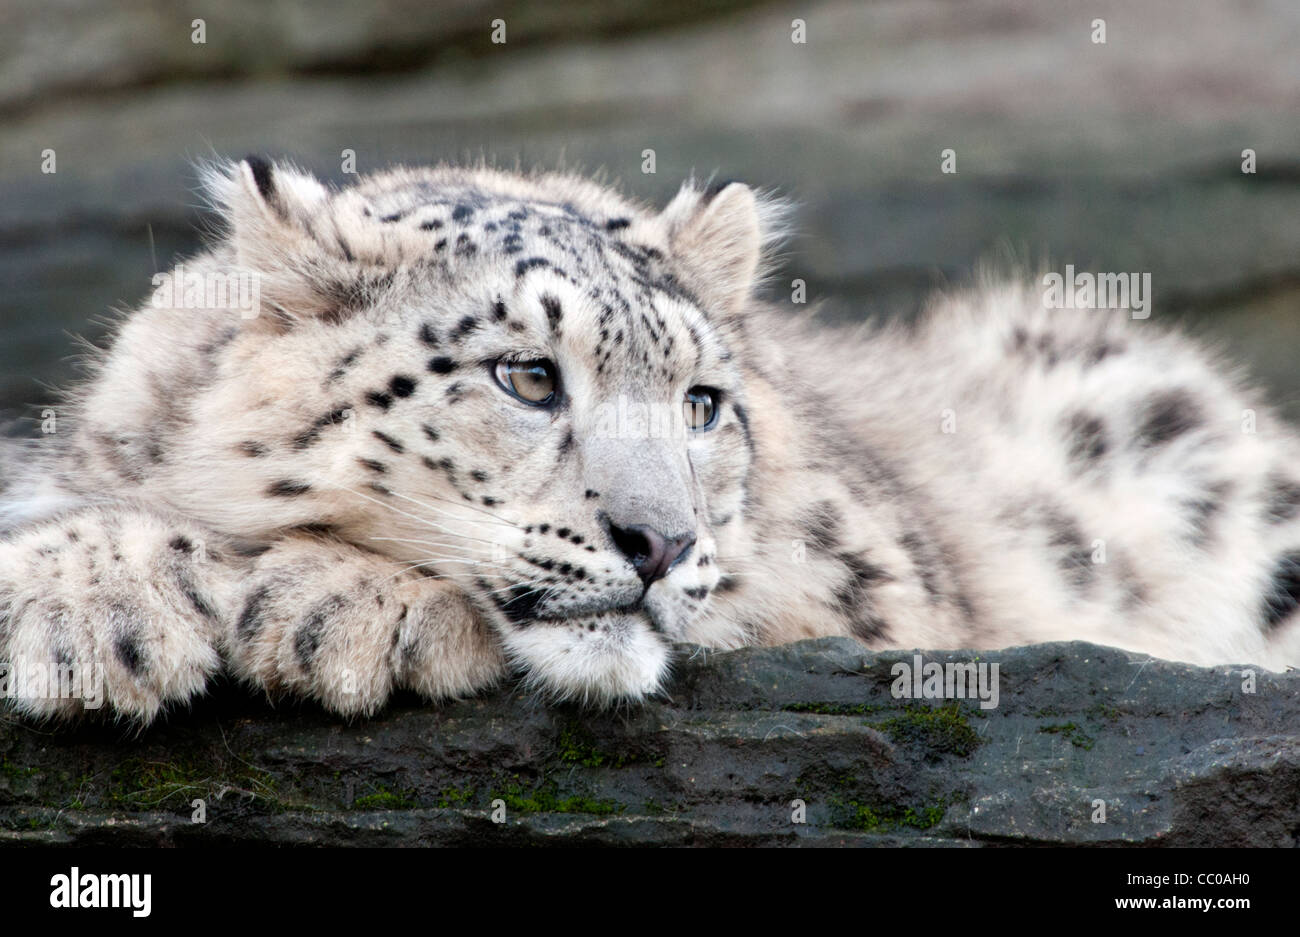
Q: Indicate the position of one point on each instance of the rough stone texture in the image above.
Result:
(1180, 755)
(1118, 157)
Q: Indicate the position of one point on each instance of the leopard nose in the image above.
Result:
(650, 552)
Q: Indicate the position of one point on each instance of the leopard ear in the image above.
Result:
(267, 207)
(271, 212)
(717, 238)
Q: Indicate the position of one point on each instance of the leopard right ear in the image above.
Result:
(719, 236)
(266, 206)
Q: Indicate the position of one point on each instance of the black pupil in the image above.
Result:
(699, 408)
(532, 380)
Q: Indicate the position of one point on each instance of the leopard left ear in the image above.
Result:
(717, 238)
(266, 205)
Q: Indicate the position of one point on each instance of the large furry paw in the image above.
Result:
(109, 610)
(324, 620)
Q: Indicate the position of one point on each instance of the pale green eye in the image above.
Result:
(533, 382)
(700, 408)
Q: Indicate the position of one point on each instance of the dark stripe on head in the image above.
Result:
(553, 312)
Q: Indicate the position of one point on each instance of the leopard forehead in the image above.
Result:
(483, 264)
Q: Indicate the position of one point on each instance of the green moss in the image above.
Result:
(881, 819)
(455, 797)
(834, 709)
(577, 746)
(943, 729)
(1076, 736)
(384, 799)
(135, 783)
(546, 799)
(1105, 711)
(15, 772)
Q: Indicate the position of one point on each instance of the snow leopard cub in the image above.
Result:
(477, 422)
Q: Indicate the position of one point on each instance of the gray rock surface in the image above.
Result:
(1178, 755)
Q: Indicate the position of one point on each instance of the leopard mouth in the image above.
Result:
(525, 606)
(603, 659)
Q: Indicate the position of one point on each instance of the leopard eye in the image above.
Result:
(700, 408)
(533, 382)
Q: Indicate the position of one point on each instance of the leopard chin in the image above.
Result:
(599, 660)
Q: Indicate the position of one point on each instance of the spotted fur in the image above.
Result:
(335, 498)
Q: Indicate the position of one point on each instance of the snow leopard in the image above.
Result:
(480, 425)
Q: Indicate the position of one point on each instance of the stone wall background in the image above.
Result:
(1124, 156)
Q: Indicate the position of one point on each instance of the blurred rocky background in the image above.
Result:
(1122, 156)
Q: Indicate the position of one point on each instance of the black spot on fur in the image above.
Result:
(195, 598)
(401, 386)
(697, 593)
(181, 544)
(429, 432)
(499, 310)
(591, 494)
(1202, 511)
(374, 466)
(311, 631)
(462, 212)
(250, 619)
(617, 224)
(1283, 596)
(344, 363)
(823, 530)
(380, 399)
(1076, 561)
(312, 433)
(1167, 416)
(521, 606)
(868, 626)
(523, 266)
(388, 441)
(286, 488)
(1087, 435)
(926, 561)
(130, 650)
(252, 449)
(428, 335)
(854, 595)
(442, 365)
(1102, 350)
(553, 312)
